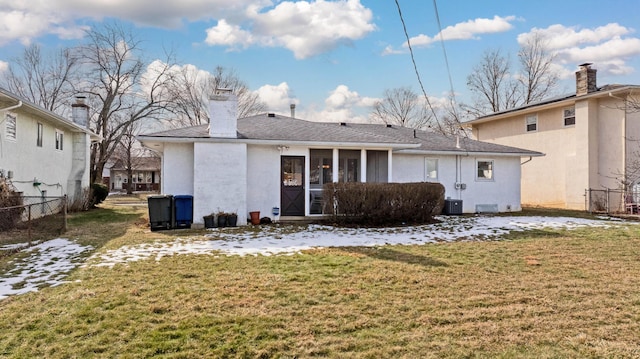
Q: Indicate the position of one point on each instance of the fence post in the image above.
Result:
(29, 224)
(64, 213)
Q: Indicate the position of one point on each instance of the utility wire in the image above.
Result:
(415, 67)
(446, 61)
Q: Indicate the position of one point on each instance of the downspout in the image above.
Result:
(11, 108)
(527, 161)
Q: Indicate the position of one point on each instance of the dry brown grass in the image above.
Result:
(546, 294)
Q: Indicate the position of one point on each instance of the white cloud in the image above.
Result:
(228, 35)
(389, 50)
(466, 30)
(562, 37)
(278, 98)
(609, 47)
(342, 105)
(307, 28)
(311, 28)
(4, 66)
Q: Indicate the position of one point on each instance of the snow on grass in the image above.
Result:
(44, 264)
(47, 263)
(272, 240)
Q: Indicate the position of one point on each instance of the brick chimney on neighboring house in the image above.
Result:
(80, 112)
(585, 80)
(223, 114)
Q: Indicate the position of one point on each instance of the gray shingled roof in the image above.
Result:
(287, 129)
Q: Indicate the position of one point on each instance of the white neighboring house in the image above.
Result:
(41, 152)
(266, 161)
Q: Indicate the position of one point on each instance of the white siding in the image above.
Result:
(263, 179)
(219, 179)
(51, 167)
(503, 191)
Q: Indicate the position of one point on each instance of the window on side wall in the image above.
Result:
(531, 123)
(430, 169)
(11, 126)
(39, 135)
(569, 115)
(59, 140)
(484, 170)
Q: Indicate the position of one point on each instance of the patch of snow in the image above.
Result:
(272, 240)
(47, 264)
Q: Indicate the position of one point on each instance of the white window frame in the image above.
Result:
(531, 120)
(428, 172)
(491, 169)
(565, 117)
(11, 126)
(59, 140)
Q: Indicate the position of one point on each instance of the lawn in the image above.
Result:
(539, 294)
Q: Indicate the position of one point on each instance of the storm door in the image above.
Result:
(292, 185)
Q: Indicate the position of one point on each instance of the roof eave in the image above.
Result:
(470, 153)
(397, 145)
(547, 105)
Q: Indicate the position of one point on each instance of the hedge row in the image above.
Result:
(383, 203)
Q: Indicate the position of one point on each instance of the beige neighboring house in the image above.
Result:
(145, 175)
(591, 139)
(42, 153)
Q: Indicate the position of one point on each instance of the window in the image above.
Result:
(11, 126)
(569, 115)
(349, 168)
(485, 170)
(532, 123)
(39, 135)
(59, 140)
(430, 169)
(321, 166)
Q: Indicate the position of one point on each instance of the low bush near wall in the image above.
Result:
(383, 203)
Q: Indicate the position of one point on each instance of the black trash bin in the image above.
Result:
(183, 211)
(160, 212)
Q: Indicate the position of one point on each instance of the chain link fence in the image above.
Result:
(33, 218)
(612, 201)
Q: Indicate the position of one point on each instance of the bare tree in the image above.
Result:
(492, 85)
(121, 88)
(537, 77)
(496, 87)
(43, 79)
(130, 153)
(402, 107)
(191, 88)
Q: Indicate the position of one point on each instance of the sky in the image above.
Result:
(48, 263)
(334, 59)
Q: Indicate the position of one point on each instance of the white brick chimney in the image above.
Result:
(80, 112)
(223, 114)
(586, 80)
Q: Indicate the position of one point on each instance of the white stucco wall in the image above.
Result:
(503, 190)
(177, 169)
(263, 179)
(27, 161)
(219, 179)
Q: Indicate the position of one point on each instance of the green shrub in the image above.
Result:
(99, 193)
(383, 203)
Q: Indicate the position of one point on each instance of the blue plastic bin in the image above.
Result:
(183, 211)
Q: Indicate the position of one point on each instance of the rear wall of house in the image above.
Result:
(502, 191)
(28, 162)
(589, 154)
